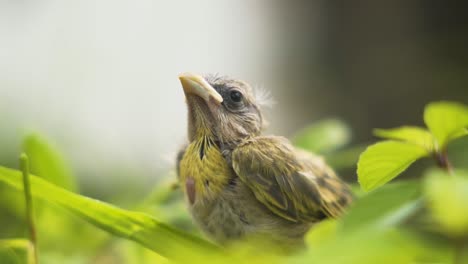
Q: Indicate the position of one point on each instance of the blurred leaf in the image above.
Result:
(385, 160)
(162, 192)
(16, 251)
(56, 257)
(368, 232)
(346, 158)
(458, 151)
(134, 253)
(446, 121)
(383, 208)
(447, 197)
(323, 136)
(322, 232)
(12, 209)
(357, 190)
(47, 162)
(410, 134)
(366, 246)
(167, 202)
(138, 227)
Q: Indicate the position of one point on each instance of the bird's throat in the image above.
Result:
(204, 171)
(200, 119)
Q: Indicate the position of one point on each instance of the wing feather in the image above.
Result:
(291, 183)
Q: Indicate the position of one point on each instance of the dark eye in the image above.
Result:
(236, 96)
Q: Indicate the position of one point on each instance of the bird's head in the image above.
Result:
(220, 107)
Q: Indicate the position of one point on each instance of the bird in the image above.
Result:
(239, 183)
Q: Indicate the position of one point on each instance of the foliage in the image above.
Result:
(446, 121)
(47, 162)
(422, 220)
(132, 225)
(329, 137)
(447, 200)
(324, 136)
(385, 160)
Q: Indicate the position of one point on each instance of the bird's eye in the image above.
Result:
(236, 96)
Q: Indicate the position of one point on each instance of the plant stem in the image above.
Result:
(460, 256)
(24, 164)
(443, 161)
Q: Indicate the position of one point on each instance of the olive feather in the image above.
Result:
(259, 186)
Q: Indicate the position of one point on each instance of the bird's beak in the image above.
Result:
(197, 85)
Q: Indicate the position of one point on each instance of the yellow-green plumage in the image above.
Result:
(204, 163)
(294, 185)
(239, 183)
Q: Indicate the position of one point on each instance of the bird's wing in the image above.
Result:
(293, 184)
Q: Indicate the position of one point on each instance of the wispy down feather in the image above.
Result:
(263, 96)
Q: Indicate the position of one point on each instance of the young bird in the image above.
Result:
(239, 183)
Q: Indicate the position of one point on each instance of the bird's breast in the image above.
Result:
(203, 171)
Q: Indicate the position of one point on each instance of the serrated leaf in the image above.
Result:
(47, 162)
(323, 136)
(385, 160)
(447, 197)
(410, 134)
(383, 208)
(139, 227)
(446, 121)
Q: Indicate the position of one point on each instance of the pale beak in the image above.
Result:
(197, 85)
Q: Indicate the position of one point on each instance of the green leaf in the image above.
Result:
(383, 208)
(345, 158)
(16, 251)
(138, 227)
(365, 246)
(323, 136)
(446, 121)
(322, 232)
(134, 253)
(410, 134)
(447, 197)
(385, 160)
(458, 153)
(47, 162)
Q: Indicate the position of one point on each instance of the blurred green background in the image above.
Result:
(99, 80)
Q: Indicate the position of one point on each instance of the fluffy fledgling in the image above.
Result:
(239, 183)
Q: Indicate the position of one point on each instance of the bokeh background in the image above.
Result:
(99, 78)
